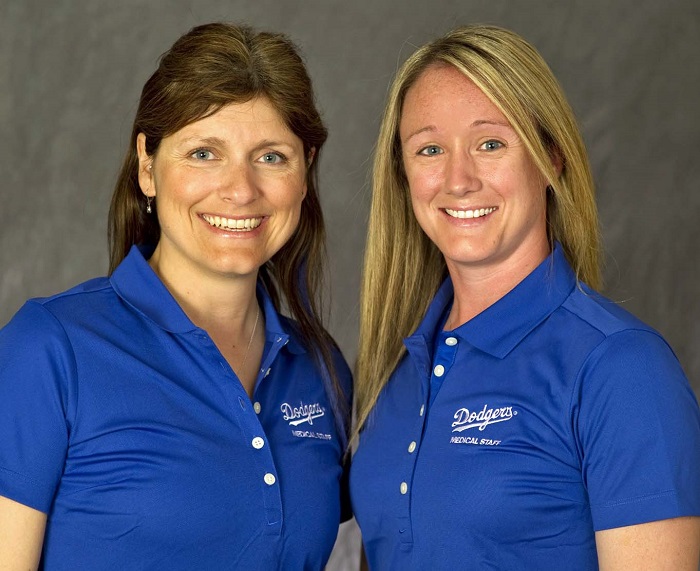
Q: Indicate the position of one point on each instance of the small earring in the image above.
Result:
(149, 210)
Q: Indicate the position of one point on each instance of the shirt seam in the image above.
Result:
(634, 500)
(73, 370)
(45, 301)
(34, 483)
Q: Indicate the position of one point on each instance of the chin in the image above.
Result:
(235, 268)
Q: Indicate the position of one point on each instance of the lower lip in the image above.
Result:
(236, 234)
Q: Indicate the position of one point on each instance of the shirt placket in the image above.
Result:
(271, 488)
(432, 375)
(254, 433)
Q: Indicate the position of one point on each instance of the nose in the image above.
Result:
(239, 185)
(461, 174)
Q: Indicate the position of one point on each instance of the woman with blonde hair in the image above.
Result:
(509, 417)
(169, 416)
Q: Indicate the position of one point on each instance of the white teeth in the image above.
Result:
(470, 213)
(241, 224)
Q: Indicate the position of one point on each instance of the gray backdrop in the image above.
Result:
(71, 73)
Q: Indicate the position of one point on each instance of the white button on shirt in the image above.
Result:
(258, 443)
(411, 447)
(256, 407)
(451, 341)
(422, 410)
(439, 370)
(404, 487)
(269, 479)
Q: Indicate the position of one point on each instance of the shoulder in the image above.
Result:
(64, 305)
(44, 324)
(636, 420)
(47, 313)
(630, 373)
(39, 365)
(618, 360)
(618, 338)
(32, 326)
(623, 347)
(601, 313)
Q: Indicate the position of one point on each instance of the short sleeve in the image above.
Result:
(36, 368)
(638, 432)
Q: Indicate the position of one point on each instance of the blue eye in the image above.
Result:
(492, 145)
(203, 155)
(430, 150)
(272, 158)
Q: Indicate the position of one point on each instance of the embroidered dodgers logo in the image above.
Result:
(304, 413)
(466, 419)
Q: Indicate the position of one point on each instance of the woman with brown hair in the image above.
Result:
(509, 416)
(168, 416)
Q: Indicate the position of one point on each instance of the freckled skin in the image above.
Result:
(461, 153)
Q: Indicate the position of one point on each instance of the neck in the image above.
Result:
(476, 289)
(210, 300)
(226, 307)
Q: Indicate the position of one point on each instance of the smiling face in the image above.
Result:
(228, 190)
(475, 191)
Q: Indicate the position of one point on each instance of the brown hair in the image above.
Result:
(207, 68)
(403, 268)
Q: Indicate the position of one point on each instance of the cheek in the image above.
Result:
(178, 189)
(292, 196)
(289, 197)
(423, 183)
(536, 189)
(523, 184)
(422, 212)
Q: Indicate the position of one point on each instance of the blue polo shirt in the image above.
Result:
(121, 420)
(554, 414)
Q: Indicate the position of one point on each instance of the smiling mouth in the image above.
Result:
(238, 225)
(477, 213)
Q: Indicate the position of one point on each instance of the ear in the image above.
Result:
(145, 167)
(557, 161)
(309, 160)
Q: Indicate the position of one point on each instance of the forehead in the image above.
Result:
(444, 91)
(255, 114)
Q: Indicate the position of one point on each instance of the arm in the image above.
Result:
(36, 368)
(21, 535)
(638, 433)
(670, 544)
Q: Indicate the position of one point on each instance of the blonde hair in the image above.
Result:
(403, 268)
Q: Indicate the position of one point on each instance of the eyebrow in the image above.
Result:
(480, 122)
(210, 141)
(428, 129)
(477, 123)
(219, 142)
(273, 143)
